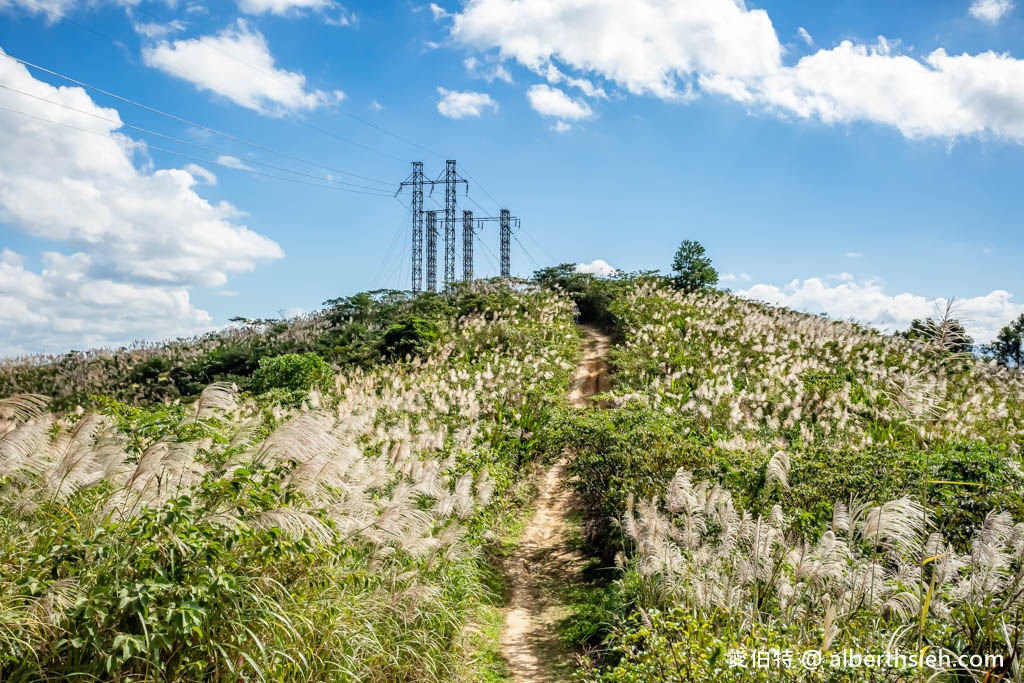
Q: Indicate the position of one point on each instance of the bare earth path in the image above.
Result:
(544, 562)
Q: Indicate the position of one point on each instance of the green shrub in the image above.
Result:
(410, 337)
(291, 376)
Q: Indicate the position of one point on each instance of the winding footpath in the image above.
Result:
(544, 563)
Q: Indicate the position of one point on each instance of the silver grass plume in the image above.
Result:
(777, 471)
(898, 524)
(21, 408)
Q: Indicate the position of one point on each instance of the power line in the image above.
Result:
(202, 39)
(191, 77)
(171, 138)
(476, 183)
(526, 251)
(387, 257)
(539, 244)
(187, 122)
(193, 158)
(491, 257)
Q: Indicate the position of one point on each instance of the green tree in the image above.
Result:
(949, 334)
(692, 267)
(1008, 347)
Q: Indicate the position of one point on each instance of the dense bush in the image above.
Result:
(292, 376)
(409, 337)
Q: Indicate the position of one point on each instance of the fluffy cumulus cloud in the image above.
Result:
(643, 45)
(990, 10)
(942, 96)
(845, 297)
(548, 101)
(64, 306)
(132, 241)
(460, 105)
(237, 64)
(598, 267)
(677, 50)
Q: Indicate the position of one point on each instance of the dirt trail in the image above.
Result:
(544, 563)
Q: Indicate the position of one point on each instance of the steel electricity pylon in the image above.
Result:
(471, 226)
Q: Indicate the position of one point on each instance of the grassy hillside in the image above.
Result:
(770, 479)
(321, 499)
(348, 332)
(239, 538)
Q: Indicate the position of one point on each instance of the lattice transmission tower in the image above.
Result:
(506, 243)
(471, 225)
(431, 251)
(451, 181)
(467, 246)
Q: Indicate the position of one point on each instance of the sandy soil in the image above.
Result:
(544, 563)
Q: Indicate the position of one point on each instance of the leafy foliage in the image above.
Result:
(692, 267)
(293, 375)
(348, 333)
(409, 337)
(1008, 347)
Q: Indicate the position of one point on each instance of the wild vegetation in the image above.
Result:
(320, 499)
(350, 332)
(769, 479)
(261, 537)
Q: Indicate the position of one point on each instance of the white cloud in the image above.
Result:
(990, 10)
(237, 64)
(376, 106)
(675, 50)
(460, 105)
(732, 277)
(44, 7)
(866, 301)
(202, 174)
(135, 240)
(805, 36)
(643, 45)
(488, 72)
(597, 267)
(438, 12)
(944, 96)
(561, 127)
(233, 162)
(548, 101)
(555, 76)
(157, 30)
(853, 254)
(64, 307)
(335, 14)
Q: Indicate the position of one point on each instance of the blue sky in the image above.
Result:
(856, 157)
